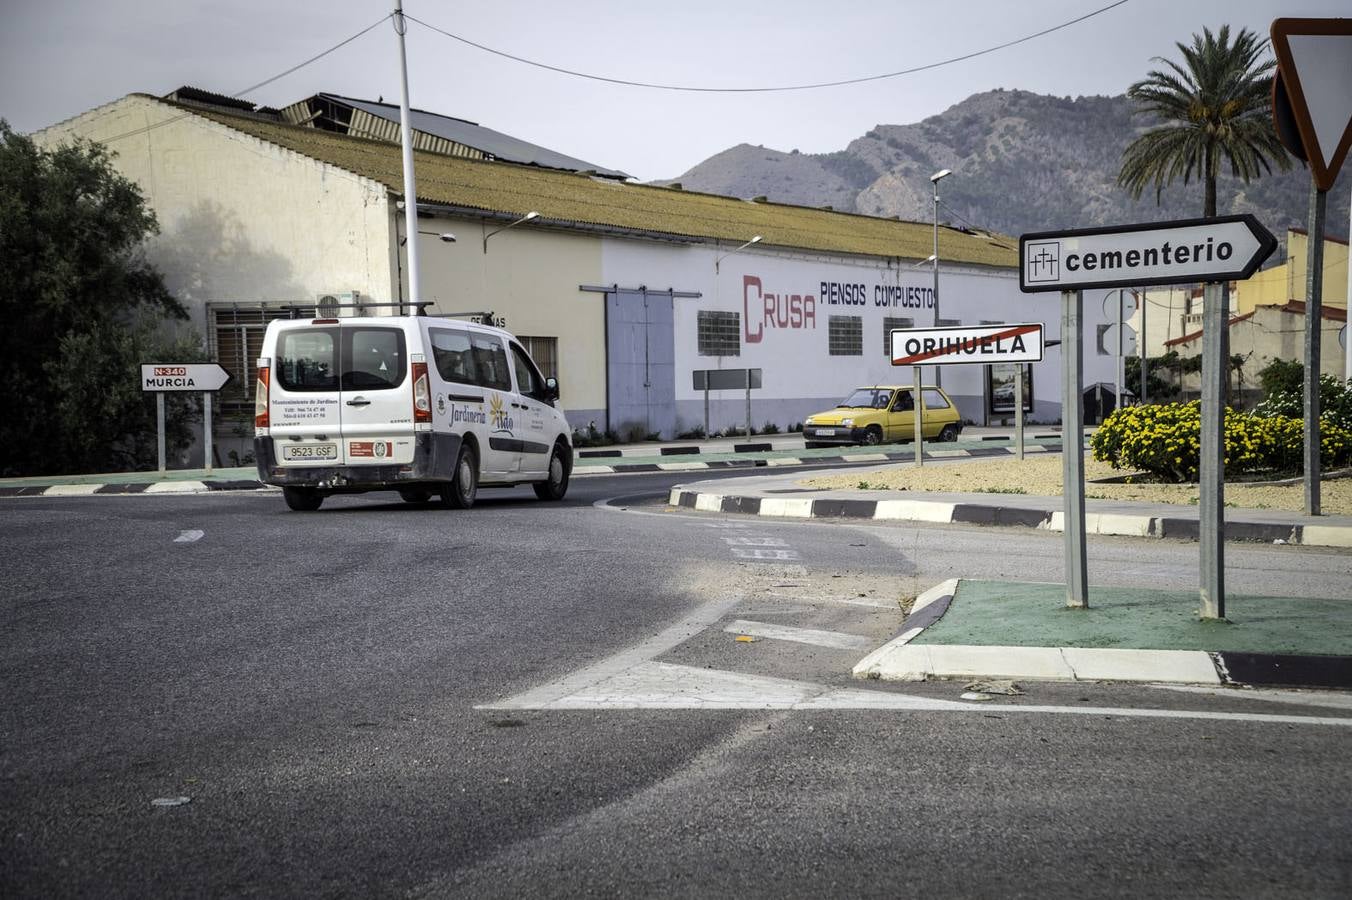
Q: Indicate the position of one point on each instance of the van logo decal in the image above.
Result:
(502, 420)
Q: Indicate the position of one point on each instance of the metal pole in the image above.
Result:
(1018, 411)
(938, 370)
(206, 425)
(1072, 448)
(748, 404)
(919, 425)
(1314, 294)
(1211, 508)
(1347, 335)
(1118, 361)
(159, 423)
(706, 404)
(1145, 359)
(410, 187)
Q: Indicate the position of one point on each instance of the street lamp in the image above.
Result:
(526, 218)
(754, 240)
(935, 179)
(445, 236)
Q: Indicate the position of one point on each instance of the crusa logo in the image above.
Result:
(766, 310)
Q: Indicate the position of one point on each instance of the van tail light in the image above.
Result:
(422, 395)
(261, 417)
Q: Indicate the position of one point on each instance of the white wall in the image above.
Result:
(240, 219)
(785, 312)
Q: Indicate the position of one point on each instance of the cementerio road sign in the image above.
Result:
(983, 344)
(183, 377)
(1179, 252)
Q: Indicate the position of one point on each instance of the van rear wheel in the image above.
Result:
(464, 486)
(556, 485)
(302, 499)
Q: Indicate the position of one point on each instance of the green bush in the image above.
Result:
(1165, 441)
(1286, 399)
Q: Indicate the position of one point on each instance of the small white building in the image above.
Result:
(621, 290)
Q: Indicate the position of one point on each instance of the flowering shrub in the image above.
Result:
(1335, 402)
(1166, 441)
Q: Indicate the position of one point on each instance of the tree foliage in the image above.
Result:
(81, 309)
(1215, 111)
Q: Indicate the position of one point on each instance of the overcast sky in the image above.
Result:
(61, 57)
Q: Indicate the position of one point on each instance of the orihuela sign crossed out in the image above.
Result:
(984, 344)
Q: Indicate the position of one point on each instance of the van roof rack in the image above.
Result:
(309, 309)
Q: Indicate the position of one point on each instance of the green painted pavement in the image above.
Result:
(993, 613)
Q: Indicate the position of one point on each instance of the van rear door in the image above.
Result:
(304, 409)
(376, 395)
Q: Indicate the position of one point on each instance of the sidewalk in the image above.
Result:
(781, 495)
(1002, 630)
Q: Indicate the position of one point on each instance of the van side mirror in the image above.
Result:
(551, 391)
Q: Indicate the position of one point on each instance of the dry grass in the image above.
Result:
(1040, 475)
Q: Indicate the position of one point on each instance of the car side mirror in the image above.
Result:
(551, 391)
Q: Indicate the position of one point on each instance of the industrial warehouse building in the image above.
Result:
(621, 290)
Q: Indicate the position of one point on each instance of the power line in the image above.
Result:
(759, 90)
(249, 90)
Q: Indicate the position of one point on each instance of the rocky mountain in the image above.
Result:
(1021, 162)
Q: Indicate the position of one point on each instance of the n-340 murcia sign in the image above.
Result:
(183, 377)
(1180, 252)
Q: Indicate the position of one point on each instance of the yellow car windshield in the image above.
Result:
(867, 398)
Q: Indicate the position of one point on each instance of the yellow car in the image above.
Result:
(872, 415)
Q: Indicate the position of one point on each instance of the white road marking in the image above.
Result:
(763, 553)
(755, 541)
(187, 537)
(1328, 699)
(655, 685)
(838, 640)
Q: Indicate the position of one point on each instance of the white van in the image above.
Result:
(422, 405)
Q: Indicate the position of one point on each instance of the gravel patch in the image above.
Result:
(1040, 475)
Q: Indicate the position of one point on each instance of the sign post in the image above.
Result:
(1180, 252)
(160, 378)
(707, 380)
(1312, 112)
(983, 344)
(1072, 449)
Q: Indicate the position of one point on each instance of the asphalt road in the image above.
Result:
(377, 699)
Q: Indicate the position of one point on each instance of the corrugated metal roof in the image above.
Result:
(470, 134)
(567, 198)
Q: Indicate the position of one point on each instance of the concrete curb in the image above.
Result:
(880, 456)
(902, 660)
(950, 513)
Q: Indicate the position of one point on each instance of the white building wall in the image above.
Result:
(785, 299)
(241, 220)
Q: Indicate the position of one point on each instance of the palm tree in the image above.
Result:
(1213, 109)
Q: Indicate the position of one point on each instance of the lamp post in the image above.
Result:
(934, 180)
(406, 149)
(526, 218)
(754, 240)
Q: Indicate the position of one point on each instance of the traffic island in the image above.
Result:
(989, 629)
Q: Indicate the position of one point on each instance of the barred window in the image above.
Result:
(720, 333)
(545, 352)
(235, 337)
(845, 335)
(888, 324)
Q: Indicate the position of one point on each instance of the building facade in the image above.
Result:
(623, 291)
